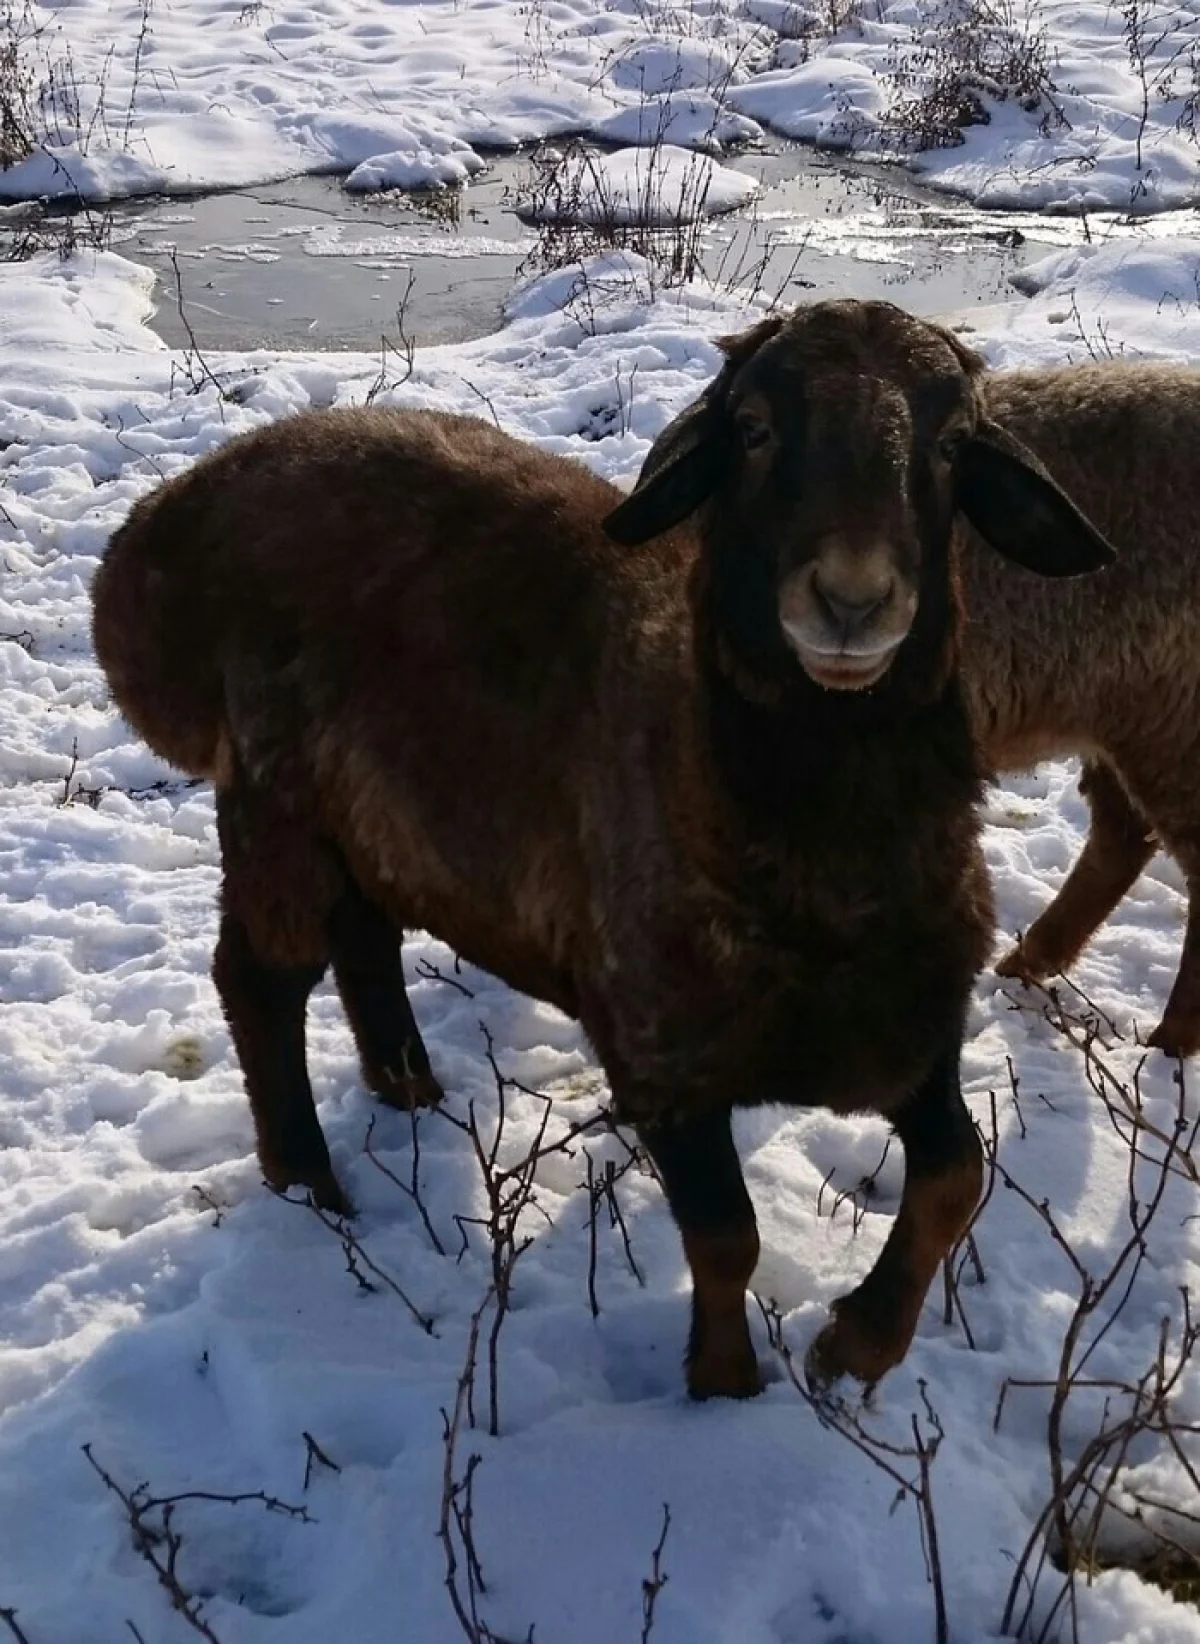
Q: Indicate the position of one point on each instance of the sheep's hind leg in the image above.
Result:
(278, 884)
(265, 1006)
(1178, 1034)
(702, 1175)
(1119, 844)
(365, 947)
(872, 1328)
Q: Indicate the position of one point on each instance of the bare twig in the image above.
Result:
(464, 1580)
(195, 367)
(509, 1192)
(412, 1188)
(159, 1543)
(70, 776)
(1082, 1488)
(403, 350)
(593, 1207)
(314, 1453)
(355, 1253)
(430, 972)
(888, 1458)
(654, 1583)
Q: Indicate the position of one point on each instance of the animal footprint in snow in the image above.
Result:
(183, 1058)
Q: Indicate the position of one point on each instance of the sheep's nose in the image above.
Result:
(849, 611)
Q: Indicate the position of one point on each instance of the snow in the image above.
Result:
(1100, 114)
(192, 1338)
(652, 186)
(193, 1347)
(1083, 105)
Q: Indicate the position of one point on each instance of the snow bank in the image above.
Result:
(1077, 135)
(1126, 297)
(221, 96)
(655, 187)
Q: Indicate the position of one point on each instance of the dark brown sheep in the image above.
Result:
(1109, 667)
(714, 794)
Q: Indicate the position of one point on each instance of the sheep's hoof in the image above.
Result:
(1176, 1036)
(849, 1346)
(321, 1184)
(724, 1375)
(1018, 964)
(413, 1091)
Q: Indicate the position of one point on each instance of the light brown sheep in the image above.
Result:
(1107, 668)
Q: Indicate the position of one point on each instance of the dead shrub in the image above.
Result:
(965, 54)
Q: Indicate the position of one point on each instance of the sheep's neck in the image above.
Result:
(840, 778)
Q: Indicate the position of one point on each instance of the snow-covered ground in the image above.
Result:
(192, 1348)
(156, 1303)
(1079, 104)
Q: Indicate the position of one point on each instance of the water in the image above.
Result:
(303, 264)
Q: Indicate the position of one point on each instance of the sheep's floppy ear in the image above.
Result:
(1011, 500)
(687, 459)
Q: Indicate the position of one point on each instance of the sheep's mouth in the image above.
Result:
(843, 625)
(843, 669)
(844, 674)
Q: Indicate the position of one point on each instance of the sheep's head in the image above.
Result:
(830, 458)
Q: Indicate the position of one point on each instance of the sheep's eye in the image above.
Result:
(950, 445)
(754, 432)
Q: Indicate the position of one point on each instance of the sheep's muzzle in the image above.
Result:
(845, 612)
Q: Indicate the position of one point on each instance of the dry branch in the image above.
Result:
(314, 1453)
(355, 1254)
(159, 1543)
(9, 1618)
(889, 1458)
(464, 1579)
(1083, 1487)
(412, 1188)
(510, 1191)
(657, 1579)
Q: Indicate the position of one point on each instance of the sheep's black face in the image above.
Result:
(845, 429)
(829, 459)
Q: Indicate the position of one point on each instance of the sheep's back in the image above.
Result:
(1058, 666)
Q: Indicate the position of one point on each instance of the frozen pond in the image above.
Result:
(304, 264)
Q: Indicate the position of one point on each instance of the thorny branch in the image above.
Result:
(654, 1583)
(456, 1521)
(159, 1543)
(314, 1453)
(889, 1458)
(509, 1192)
(354, 1252)
(1082, 1489)
(9, 1618)
(412, 1188)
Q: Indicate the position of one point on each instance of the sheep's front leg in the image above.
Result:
(872, 1328)
(702, 1176)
